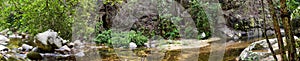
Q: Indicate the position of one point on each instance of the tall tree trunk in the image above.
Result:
(288, 33)
(265, 31)
(277, 31)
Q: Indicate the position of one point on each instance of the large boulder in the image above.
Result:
(48, 40)
(260, 49)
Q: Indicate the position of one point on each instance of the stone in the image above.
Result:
(80, 54)
(3, 40)
(43, 37)
(64, 48)
(203, 35)
(3, 49)
(48, 41)
(260, 49)
(27, 47)
(78, 44)
(15, 36)
(132, 46)
(34, 56)
(49, 37)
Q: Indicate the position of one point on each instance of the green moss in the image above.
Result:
(14, 43)
(34, 56)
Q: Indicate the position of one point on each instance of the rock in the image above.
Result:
(3, 39)
(248, 52)
(3, 49)
(15, 36)
(27, 47)
(48, 40)
(64, 48)
(147, 45)
(58, 41)
(132, 46)
(43, 37)
(65, 41)
(79, 54)
(71, 45)
(203, 35)
(78, 44)
(259, 50)
(34, 56)
(35, 49)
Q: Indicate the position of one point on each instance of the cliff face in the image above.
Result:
(242, 17)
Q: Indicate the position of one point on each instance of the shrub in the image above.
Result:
(120, 39)
(167, 28)
(200, 18)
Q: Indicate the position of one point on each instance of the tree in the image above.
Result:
(277, 30)
(288, 32)
(38, 15)
(265, 31)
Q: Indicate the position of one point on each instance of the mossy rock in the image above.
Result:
(34, 56)
(45, 48)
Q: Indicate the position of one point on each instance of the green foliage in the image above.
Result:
(200, 18)
(112, 2)
(138, 38)
(37, 16)
(104, 38)
(292, 4)
(296, 13)
(120, 39)
(167, 27)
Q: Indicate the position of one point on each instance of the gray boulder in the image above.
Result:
(49, 37)
(48, 41)
(260, 49)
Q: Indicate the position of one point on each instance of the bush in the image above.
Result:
(104, 38)
(200, 18)
(167, 28)
(120, 39)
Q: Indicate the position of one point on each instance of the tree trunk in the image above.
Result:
(288, 33)
(265, 31)
(277, 31)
